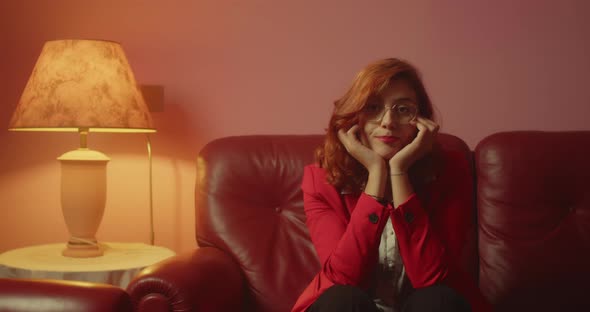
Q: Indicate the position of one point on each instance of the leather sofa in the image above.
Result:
(530, 249)
(34, 295)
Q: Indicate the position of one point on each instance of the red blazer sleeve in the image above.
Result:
(347, 249)
(432, 239)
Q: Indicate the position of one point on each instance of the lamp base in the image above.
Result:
(82, 250)
(83, 197)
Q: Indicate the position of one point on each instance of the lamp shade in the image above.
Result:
(82, 84)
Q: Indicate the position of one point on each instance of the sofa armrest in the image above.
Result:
(206, 279)
(19, 295)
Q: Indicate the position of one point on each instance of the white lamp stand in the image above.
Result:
(83, 198)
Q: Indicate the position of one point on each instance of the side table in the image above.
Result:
(119, 264)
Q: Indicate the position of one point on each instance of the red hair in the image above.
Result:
(343, 171)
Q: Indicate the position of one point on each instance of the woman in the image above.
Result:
(387, 209)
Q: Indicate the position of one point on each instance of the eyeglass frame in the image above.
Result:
(379, 118)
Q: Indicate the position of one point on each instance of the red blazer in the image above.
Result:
(431, 230)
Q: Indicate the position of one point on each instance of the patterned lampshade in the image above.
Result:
(82, 84)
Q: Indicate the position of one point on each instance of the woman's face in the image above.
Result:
(385, 130)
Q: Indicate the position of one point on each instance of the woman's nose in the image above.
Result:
(388, 120)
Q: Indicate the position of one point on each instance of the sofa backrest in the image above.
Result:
(248, 203)
(533, 197)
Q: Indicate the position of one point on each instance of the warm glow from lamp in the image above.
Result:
(82, 86)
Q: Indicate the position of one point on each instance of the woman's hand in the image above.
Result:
(420, 146)
(367, 157)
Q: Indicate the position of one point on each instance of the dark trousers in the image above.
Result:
(437, 298)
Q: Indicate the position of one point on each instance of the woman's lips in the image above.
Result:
(387, 139)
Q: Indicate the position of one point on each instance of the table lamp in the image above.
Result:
(82, 86)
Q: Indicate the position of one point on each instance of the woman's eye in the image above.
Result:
(403, 109)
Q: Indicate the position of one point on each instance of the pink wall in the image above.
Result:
(270, 67)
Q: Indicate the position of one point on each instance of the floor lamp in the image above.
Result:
(82, 86)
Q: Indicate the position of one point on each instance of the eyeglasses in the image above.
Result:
(402, 113)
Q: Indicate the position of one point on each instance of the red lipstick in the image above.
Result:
(387, 139)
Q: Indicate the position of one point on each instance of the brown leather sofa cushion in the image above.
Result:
(534, 220)
(24, 295)
(249, 204)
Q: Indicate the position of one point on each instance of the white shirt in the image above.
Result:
(390, 261)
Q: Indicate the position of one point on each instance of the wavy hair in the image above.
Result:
(343, 171)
